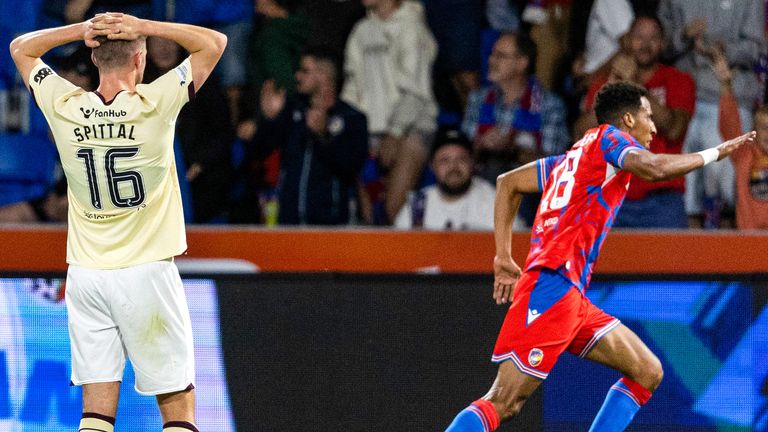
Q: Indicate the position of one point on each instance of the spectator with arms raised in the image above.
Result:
(323, 143)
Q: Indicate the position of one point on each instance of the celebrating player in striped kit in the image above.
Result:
(582, 193)
(124, 294)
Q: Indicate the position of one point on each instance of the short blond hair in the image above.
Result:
(111, 54)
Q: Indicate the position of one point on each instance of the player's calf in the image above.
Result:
(178, 410)
(642, 375)
(503, 401)
(480, 416)
(624, 400)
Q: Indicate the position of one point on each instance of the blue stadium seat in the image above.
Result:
(7, 69)
(27, 167)
(20, 16)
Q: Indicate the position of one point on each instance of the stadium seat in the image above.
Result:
(27, 167)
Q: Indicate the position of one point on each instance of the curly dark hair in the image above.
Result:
(613, 100)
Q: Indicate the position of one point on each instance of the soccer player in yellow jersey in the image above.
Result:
(124, 294)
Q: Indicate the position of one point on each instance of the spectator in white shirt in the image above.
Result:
(459, 200)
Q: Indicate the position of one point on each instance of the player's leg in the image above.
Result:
(538, 327)
(99, 406)
(503, 401)
(178, 411)
(622, 350)
(157, 332)
(98, 357)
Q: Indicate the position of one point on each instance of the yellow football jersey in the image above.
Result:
(124, 200)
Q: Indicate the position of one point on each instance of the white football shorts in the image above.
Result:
(138, 311)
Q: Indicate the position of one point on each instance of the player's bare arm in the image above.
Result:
(204, 45)
(27, 49)
(509, 189)
(657, 167)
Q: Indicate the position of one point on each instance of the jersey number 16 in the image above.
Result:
(114, 177)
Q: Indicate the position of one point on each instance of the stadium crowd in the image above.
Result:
(403, 112)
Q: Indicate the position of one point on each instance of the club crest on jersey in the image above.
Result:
(42, 74)
(535, 357)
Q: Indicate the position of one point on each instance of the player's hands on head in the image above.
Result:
(730, 146)
(100, 25)
(122, 26)
(505, 275)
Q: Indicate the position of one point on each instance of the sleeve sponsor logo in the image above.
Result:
(42, 74)
(182, 71)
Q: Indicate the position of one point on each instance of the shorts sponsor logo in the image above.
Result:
(535, 357)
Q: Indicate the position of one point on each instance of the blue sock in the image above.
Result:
(622, 403)
(478, 417)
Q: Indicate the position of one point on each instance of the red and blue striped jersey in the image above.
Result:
(582, 191)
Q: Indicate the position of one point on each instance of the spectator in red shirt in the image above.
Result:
(672, 94)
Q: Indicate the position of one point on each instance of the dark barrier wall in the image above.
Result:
(399, 353)
(356, 353)
(359, 353)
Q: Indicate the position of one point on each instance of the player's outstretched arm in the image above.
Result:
(27, 49)
(509, 189)
(656, 167)
(204, 45)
